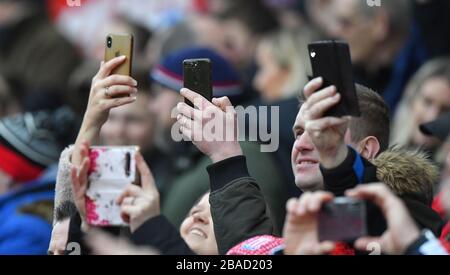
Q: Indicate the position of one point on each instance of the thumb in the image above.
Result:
(222, 103)
(364, 242)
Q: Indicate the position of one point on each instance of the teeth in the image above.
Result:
(307, 162)
(198, 232)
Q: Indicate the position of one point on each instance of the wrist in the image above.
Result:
(226, 153)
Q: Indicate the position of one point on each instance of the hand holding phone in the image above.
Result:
(111, 170)
(119, 45)
(197, 78)
(331, 60)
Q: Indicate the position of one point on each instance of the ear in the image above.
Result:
(369, 147)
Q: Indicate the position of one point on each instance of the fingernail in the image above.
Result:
(135, 90)
(134, 98)
(135, 83)
(123, 56)
(183, 90)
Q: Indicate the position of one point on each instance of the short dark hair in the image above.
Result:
(254, 14)
(65, 210)
(374, 119)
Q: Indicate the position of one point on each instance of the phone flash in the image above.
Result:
(313, 54)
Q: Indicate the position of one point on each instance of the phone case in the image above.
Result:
(118, 45)
(331, 60)
(111, 170)
(197, 77)
(343, 220)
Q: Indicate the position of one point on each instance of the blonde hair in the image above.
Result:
(289, 48)
(403, 125)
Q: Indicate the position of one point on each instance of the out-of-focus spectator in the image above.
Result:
(244, 23)
(282, 59)
(426, 98)
(30, 145)
(386, 50)
(32, 50)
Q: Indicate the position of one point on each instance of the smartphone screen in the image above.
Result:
(331, 61)
(197, 77)
(118, 45)
(343, 220)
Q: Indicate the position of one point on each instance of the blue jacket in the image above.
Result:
(23, 233)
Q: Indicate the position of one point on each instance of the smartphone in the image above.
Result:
(331, 60)
(118, 45)
(197, 77)
(343, 220)
(112, 169)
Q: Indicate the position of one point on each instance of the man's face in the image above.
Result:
(58, 241)
(305, 158)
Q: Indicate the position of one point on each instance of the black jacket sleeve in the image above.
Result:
(238, 208)
(75, 236)
(159, 233)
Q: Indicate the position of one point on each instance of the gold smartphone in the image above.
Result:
(118, 45)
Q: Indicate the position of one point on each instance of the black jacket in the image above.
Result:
(238, 207)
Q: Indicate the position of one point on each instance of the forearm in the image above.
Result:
(160, 234)
(89, 133)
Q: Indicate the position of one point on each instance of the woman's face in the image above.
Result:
(197, 229)
(270, 78)
(130, 125)
(432, 101)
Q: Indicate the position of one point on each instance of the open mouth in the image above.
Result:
(306, 163)
(197, 232)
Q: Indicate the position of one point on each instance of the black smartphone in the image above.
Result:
(343, 220)
(197, 77)
(331, 60)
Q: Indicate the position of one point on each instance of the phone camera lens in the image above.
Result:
(109, 42)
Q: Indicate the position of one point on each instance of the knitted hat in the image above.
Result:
(169, 72)
(259, 245)
(31, 142)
